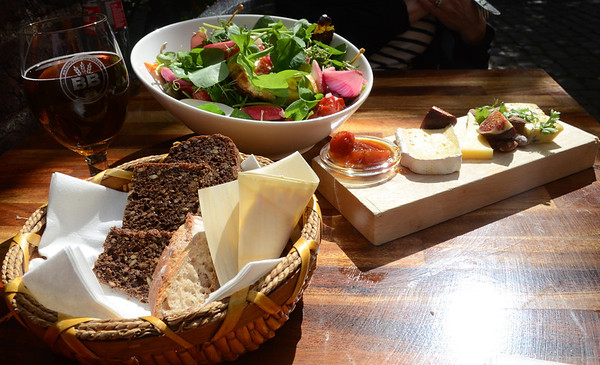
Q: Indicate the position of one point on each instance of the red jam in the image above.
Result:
(348, 151)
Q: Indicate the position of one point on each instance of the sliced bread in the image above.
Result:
(129, 259)
(216, 150)
(184, 275)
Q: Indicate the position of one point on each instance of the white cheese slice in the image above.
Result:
(220, 211)
(473, 145)
(429, 151)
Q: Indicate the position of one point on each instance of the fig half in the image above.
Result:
(496, 126)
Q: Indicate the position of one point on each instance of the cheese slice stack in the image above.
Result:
(252, 218)
(429, 151)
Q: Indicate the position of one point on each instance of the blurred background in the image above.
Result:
(560, 37)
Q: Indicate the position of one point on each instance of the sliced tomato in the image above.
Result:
(328, 105)
(263, 65)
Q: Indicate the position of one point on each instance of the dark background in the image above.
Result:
(560, 37)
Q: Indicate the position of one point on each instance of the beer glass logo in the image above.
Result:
(84, 79)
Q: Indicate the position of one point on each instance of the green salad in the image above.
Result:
(269, 72)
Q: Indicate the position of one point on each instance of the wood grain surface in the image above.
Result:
(515, 280)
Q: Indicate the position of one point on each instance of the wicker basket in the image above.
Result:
(220, 331)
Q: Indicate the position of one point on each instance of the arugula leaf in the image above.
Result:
(185, 59)
(166, 58)
(210, 56)
(209, 76)
(226, 93)
(483, 112)
(277, 80)
(179, 71)
(287, 54)
(302, 108)
(263, 22)
(237, 113)
(211, 107)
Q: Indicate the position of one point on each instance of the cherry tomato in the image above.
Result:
(342, 143)
(369, 154)
(263, 65)
(329, 105)
(349, 151)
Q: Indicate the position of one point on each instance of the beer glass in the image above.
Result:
(76, 82)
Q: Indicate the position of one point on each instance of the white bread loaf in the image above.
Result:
(185, 274)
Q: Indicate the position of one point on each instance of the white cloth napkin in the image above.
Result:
(80, 214)
(247, 276)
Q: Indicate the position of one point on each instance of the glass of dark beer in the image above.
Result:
(76, 82)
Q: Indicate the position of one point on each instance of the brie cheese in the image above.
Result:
(429, 151)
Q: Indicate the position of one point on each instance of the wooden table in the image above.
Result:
(516, 279)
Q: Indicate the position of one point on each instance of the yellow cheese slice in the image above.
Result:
(270, 207)
(429, 151)
(473, 145)
(252, 218)
(272, 200)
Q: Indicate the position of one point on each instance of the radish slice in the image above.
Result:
(264, 112)
(229, 47)
(198, 38)
(169, 76)
(317, 75)
(346, 84)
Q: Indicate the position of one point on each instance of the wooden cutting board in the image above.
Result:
(409, 202)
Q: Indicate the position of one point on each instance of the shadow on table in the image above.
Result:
(366, 256)
(281, 349)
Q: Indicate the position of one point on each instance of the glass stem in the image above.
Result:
(97, 163)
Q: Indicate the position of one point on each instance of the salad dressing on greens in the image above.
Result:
(269, 72)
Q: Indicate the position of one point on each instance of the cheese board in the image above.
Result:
(409, 202)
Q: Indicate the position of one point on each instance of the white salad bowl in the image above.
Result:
(273, 139)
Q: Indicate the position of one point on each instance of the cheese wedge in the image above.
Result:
(473, 145)
(533, 131)
(429, 151)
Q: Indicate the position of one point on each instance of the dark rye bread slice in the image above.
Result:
(163, 194)
(129, 260)
(217, 150)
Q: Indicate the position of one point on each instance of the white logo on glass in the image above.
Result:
(84, 79)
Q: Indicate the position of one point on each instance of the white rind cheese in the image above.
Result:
(429, 151)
